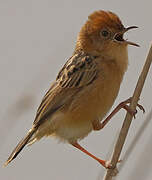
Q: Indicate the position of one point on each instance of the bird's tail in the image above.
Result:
(20, 146)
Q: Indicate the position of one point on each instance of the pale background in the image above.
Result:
(36, 38)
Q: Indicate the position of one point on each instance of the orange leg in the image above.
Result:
(97, 125)
(102, 162)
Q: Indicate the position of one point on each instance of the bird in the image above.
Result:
(86, 87)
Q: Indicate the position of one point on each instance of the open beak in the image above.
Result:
(119, 36)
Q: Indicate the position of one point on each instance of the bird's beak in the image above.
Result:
(129, 42)
(119, 36)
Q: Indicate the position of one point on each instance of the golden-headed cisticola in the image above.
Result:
(86, 87)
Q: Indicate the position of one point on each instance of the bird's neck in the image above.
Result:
(119, 56)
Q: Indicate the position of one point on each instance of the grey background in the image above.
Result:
(36, 38)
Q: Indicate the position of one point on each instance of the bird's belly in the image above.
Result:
(73, 131)
(65, 127)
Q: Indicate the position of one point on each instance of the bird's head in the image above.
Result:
(103, 31)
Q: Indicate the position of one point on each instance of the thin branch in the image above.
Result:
(138, 135)
(128, 119)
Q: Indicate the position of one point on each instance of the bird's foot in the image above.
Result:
(127, 108)
(107, 164)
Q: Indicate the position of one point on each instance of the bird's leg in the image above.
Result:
(105, 164)
(97, 125)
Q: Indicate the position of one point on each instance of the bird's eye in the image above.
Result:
(105, 33)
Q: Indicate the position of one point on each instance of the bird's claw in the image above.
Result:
(130, 111)
(134, 113)
(141, 108)
(127, 108)
(108, 164)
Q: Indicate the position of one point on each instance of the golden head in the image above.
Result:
(103, 30)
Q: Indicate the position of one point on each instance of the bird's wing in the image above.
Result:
(79, 71)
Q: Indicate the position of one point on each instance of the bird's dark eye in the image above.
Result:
(105, 33)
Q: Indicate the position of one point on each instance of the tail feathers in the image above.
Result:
(20, 146)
